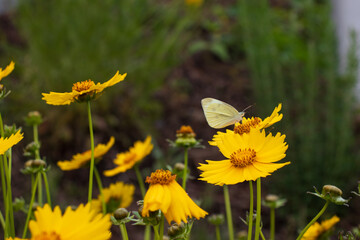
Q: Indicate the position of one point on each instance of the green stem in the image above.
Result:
(140, 180)
(251, 210)
(147, 232)
(3, 188)
(92, 161)
(9, 210)
(258, 208)
(100, 186)
(47, 189)
(272, 223)
(2, 221)
(217, 230)
(189, 231)
(33, 192)
(40, 192)
(313, 221)
(262, 235)
(157, 237)
(161, 226)
(185, 168)
(228, 212)
(36, 140)
(123, 231)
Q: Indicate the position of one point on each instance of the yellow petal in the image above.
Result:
(6, 143)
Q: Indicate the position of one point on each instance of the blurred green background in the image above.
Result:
(242, 52)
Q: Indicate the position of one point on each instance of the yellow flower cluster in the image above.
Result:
(316, 230)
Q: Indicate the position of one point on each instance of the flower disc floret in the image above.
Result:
(160, 176)
(243, 157)
(83, 86)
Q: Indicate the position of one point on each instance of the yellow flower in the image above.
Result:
(81, 89)
(252, 123)
(250, 156)
(10, 238)
(81, 159)
(127, 160)
(6, 143)
(9, 68)
(316, 230)
(167, 195)
(80, 224)
(117, 195)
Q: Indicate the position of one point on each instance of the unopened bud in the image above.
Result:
(28, 163)
(120, 213)
(176, 229)
(38, 163)
(33, 118)
(332, 190)
(179, 167)
(216, 219)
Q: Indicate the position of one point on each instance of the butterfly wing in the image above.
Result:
(219, 114)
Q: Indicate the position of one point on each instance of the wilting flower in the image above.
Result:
(127, 160)
(6, 143)
(81, 159)
(117, 195)
(250, 156)
(81, 91)
(252, 123)
(9, 68)
(316, 230)
(167, 195)
(82, 224)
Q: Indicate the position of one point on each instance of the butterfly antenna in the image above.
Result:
(248, 107)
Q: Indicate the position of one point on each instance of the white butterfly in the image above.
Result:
(219, 114)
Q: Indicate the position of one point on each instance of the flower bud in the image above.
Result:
(216, 219)
(9, 130)
(185, 137)
(31, 149)
(33, 118)
(242, 235)
(331, 193)
(273, 201)
(28, 163)
(179, 167)
(176, 229)
(38, 163)
(121, 213)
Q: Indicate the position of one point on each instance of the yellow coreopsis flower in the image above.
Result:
(250, 156)
(81, 159)
(6, 143)
(253, 123)
(167, 195)
(9, 68)
(81, 89)
(316, 230)
(117, 195)
(80, 224)
(127, 160)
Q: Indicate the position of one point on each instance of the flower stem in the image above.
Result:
(186, 150)
(98, 180)
(258, 208)
(140, 180)
(3, 188)
(40, 192)
(217, 230)
(9, 214)
(272, 223)
(228, 212)
(251, 210)
(33, 191)
(48, 197)
(157, 237)
(2, 221)
(123, 231)
(92, 161)
(313, 221)
(161, 227)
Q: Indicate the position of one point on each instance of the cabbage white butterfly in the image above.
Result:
(219, 114)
